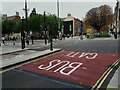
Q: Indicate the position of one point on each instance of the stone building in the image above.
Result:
(71, 25)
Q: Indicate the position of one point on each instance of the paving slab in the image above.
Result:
(114, 82)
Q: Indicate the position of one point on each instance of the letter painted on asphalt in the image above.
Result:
(67, 62)
(88, 55)
(83, 55)
(50, 64)
(72, 54)
(58, 64)
(73, 68)
(92, 56)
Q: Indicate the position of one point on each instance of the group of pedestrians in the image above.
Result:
(3, 40)
(26, 38)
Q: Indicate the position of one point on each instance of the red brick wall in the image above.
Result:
(77, 25)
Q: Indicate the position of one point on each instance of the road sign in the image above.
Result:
(79, 30)
(70, 27)
(84, 68)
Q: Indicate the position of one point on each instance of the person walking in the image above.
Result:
(32, 37)
(3, 40)
(14, 39)
(115, 35)
(27, 39)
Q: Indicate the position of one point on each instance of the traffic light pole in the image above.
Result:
(119, 18)
(51, 44)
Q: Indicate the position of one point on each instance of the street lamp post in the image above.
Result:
(118, 16)
(26, 18)
(22, 36)
(59, 30)
(45, 28)
(50, 38)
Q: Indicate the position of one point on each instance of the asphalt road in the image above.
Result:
(18, 78)
(75, 44)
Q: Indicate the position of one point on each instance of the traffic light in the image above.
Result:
(70, 27)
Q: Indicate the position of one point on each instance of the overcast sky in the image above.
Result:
(77, 8)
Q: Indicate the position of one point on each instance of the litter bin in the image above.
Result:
(115, 35)
(88, 36)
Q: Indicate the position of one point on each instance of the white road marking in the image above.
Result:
(6, 59)
(18, 56)
(31, 50)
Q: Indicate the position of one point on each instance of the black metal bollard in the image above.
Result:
(51, 45)
(22, 43)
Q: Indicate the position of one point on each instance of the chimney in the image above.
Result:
(17, 13)
(69, 14)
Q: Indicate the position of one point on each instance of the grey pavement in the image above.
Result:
(13, 54)
(14, 58)
(114, 82)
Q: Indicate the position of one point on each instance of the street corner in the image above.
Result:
(84, 68)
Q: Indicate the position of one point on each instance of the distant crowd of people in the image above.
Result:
(114, 32)
(26, 38)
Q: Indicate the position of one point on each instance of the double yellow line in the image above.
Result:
(105, 75)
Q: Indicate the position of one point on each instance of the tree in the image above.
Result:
(20, 26)
(8, 27)
(52, 24)
(35, 24)
(100, 17)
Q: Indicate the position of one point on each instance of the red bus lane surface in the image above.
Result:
(84, 68)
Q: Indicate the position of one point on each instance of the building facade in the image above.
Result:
(71, 25)
(15, 18)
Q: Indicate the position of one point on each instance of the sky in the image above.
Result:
(77, 8)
